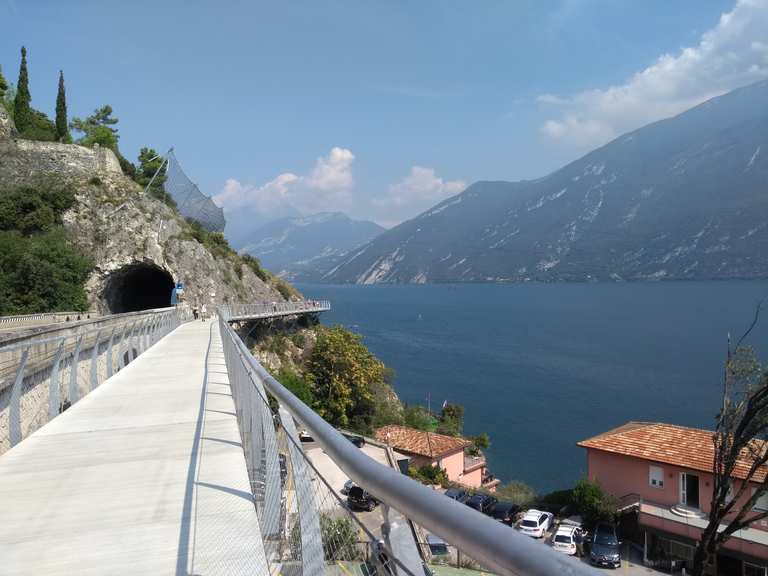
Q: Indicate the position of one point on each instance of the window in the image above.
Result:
(656, 476)
(762, 503)
(754, 570)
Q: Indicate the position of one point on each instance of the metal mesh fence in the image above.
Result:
(40, 378)
(306, 525)
(190, 201)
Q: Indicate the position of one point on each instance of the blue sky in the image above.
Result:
(379, 109)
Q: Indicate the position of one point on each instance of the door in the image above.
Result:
(689, 489)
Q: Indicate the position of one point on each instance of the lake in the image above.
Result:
(541, 366)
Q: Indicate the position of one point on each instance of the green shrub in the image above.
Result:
(298, 339)
(299, 385)
(418, 417)
(517, 492)
(340, 536)
(277, 344)
(41, 273)
(30, 210)
(451, 420)
(255, 265)
(428, 474)
(286, 290)
(592, 502)
(41, 128)
(95, 181)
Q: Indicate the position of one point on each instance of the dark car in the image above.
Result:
(457, 494)
(481, 502)
(359, 499)
(605, 546)
(358, 441)
(504, 512)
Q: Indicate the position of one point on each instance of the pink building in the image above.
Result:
(662, 475)
(447, 452)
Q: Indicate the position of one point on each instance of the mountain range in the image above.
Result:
(685, 197)
(305, 248)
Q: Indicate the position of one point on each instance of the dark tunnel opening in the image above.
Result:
(138, 287)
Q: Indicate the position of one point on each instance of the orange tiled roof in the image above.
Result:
(418, 442)
(666, 443)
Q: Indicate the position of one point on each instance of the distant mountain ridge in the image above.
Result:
(685, 197)
(304, 248)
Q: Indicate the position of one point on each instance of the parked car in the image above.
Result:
(481, 502)
(359, 499)
(457, 494)
(566, 537)
(605, 546)
(535, 523)
(347, 487)
(358, 441)
(504, 512)
(305, 436)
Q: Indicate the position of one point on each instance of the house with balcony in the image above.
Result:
(447, 452)
(662, 475)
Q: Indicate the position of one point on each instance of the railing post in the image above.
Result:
(95, 362)
(134, 345)
(14, 410)
(54, 392)
(110, 356)
(74, 391)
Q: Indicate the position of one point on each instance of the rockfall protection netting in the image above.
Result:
(190, 201)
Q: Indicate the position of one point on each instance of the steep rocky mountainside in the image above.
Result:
(138, 243)
(305, 248)
(685, 197)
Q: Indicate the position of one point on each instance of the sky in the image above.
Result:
(379, 109)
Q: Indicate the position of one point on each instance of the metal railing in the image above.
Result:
(44, 318)
(305, 526)
(241, 312)
(491, 544)
(41, 376)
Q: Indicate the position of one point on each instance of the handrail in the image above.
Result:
(21, 319)
(496, 546)
(240, 312)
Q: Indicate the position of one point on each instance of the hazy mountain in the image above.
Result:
(307, 247)
(685, 197)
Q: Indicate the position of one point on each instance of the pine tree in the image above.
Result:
(62, 129)
(21, 105)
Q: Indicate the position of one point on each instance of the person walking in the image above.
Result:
(203, 310)
(195, 312)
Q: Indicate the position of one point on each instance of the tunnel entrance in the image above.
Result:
(138, 287)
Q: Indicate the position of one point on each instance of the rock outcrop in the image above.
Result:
(134, 240)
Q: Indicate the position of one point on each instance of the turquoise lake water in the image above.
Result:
(541, 366)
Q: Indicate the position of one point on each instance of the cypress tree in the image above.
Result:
(22, 110)
(62, 131)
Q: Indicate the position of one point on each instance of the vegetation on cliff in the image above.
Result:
(39, 269)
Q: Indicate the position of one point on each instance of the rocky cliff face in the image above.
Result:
(139, 245)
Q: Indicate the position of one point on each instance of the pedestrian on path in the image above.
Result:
(202, 312)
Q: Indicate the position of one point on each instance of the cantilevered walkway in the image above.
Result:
(144, 475)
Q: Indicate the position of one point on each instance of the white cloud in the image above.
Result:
(729, 55)
(327, 187)
(419, 190)
(334, 172)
